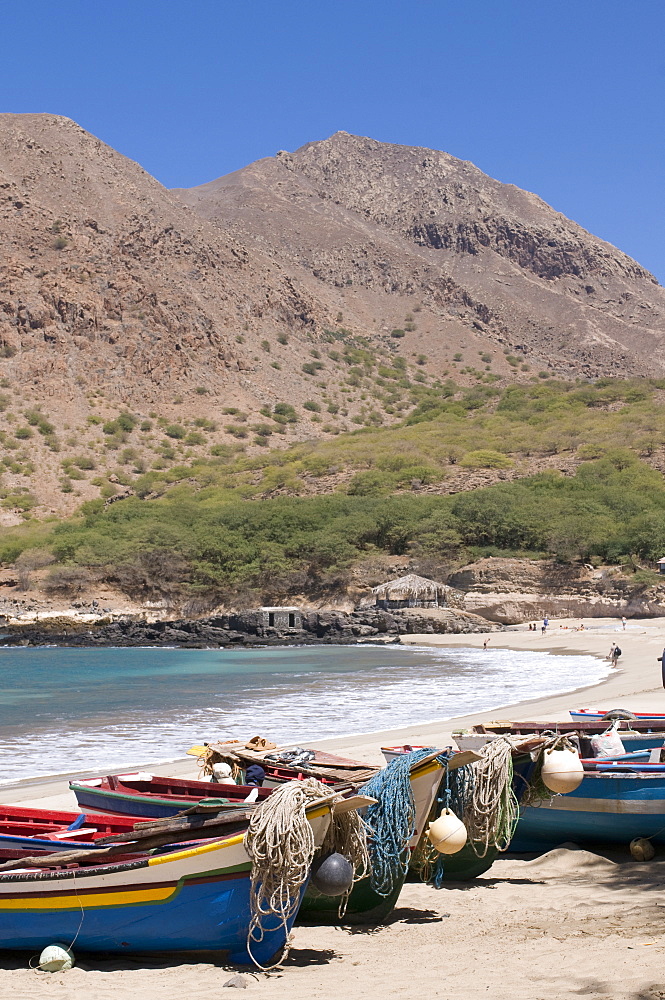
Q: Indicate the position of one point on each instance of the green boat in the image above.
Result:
(365, 905)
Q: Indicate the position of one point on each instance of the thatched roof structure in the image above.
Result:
(409, 588)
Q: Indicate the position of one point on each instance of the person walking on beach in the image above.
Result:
(623, 622)
(615, 653)
(485, 643)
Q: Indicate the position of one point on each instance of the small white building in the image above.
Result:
(661, 565)
(282, 618)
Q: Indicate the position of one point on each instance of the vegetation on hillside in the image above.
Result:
(211, 542)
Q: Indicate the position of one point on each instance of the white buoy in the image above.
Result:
(562, 770)
(447, 833)
(56, 958)
(642, 849)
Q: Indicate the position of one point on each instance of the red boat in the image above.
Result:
(24, 830)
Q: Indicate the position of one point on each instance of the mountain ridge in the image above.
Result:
(451, 253)
(340, 281)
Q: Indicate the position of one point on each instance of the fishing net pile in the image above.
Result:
(483, 795)
(392, 820)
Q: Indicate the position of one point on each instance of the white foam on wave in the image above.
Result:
(296, 706)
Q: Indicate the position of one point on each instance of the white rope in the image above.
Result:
(280, 842)
(492, 809)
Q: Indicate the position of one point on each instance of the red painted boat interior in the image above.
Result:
(179, 788)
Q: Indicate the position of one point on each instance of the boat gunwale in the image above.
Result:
(219, 843)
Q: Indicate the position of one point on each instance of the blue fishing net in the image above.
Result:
(392, 820)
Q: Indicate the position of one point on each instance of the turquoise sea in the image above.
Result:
(100, 710)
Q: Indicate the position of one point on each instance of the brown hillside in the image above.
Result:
(489, 265)
(195, 312)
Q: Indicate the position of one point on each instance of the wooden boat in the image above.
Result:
(147, 795)
(326, 767)
(194, 898)
(34, 830)
(591, 715)
(635, 735)
(391, 752)
(365, 905)
(610, 807)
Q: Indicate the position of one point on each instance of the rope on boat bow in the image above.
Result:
(280, 843)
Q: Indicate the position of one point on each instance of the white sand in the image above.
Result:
(569, 924)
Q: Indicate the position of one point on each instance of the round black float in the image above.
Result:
(618, 713)
(332, 875)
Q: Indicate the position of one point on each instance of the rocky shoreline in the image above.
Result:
(246, 629)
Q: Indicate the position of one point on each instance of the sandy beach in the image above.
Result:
(558, 926)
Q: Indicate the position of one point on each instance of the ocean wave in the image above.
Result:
(65, 711)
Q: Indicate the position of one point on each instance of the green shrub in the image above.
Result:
(311, 367)
(286, 411)
(126, 422)
(83, 462)
(310, 404)
(175, 431)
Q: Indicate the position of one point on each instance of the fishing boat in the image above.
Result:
(635, 734)
(615, 803)
(282, 764)
(148, 795)
(591, 715)
(365, 904)
(390, 753)
(193, 898)
(23, 829)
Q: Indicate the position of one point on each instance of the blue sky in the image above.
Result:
(562, 98)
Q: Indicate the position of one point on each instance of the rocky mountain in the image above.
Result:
(397, 229)
(108, 280)
(195, 312)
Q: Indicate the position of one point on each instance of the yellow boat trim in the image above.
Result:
(128, 897)
(428, 768)
(193, 851)
(218, 845)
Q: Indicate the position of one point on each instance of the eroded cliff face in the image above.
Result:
(510, 591)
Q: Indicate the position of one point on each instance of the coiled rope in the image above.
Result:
(392, 820)
(280, 843)
(492, 810)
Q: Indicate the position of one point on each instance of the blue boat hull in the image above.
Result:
(607, 808)
(193, 899)
(139, 805)
(209, 915)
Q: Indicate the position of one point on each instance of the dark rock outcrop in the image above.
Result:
(247, 629)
